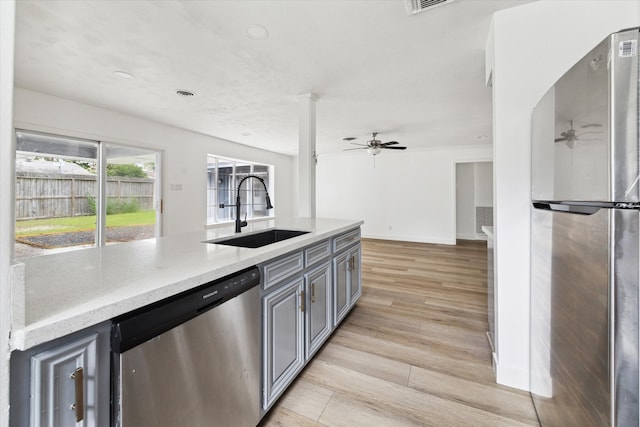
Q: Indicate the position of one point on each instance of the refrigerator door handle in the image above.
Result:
(560, 207)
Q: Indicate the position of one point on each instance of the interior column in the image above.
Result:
(306, 155)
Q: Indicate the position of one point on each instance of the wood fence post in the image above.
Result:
(73, 196)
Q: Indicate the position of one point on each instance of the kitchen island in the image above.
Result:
(55, 295)
(64, 306)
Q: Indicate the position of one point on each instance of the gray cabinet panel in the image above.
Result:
(282, 268)
(55, 402)
(344, 240)
(347, 281)
(318, 315)
(317, 253)
(355, 282)
(340, 287)
(283, 338)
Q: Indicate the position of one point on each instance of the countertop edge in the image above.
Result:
(488, 230)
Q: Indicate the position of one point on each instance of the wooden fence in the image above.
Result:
(54, 195)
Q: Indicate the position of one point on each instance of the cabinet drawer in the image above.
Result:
(346, 239)
(317, 252)
(282, 268)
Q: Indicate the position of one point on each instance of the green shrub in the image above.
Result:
(126, 206)
(91, 203)
(115, 206)
(131, 170)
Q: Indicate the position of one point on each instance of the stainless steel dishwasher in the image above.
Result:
(191, 360)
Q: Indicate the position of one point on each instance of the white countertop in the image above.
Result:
(55, 295)
(488, 230)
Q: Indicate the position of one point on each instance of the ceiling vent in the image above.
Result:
(415, 6)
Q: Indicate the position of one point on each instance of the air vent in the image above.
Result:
(415, 6)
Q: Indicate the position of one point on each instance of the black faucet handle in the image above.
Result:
(243, 223)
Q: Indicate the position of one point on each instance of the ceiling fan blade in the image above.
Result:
(393, 148)
(560, 139)
(351, 149)
(357, 143)
(390, 143)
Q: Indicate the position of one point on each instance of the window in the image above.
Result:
(59, 205)
(223, 177)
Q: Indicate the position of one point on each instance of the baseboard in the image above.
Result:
(512, 376)
(409, 239)
(481, 236)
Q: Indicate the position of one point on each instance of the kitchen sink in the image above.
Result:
(258, 240)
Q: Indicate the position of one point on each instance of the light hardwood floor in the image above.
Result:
(413, 352)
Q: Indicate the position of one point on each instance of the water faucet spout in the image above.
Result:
(239, 222)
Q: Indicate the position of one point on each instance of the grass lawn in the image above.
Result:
(36, 227)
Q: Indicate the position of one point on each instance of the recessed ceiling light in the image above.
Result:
(124, 74)
(185, 93)
(257, 32)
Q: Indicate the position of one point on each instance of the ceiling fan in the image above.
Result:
(374, 146)
(570, 136)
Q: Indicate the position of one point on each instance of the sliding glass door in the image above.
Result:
(73, 193)
(131, 194)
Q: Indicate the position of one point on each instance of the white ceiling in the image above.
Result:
(417, 79)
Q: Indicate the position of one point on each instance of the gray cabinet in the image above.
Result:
(347, 283)
(318, 308)
(296, 303)
(283, 334)
(63, 383)
(305, 293)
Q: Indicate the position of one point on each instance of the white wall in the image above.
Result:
(483, 183)
(409, 195)
(465, 205)
(533, 46)
(184, 152)
(7, 180)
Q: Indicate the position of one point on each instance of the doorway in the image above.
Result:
(474, 199)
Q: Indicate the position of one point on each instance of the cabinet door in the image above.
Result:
(355, 280)
(340, 287)
(64, 385)
(318, 315)
(283, 338)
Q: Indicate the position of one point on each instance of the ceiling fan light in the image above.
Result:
(374, 150)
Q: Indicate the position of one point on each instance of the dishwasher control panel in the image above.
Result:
(138, 326)
(213, 294)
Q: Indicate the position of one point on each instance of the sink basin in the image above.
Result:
(257, 240)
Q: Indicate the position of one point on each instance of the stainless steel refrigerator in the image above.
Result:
(585, 241)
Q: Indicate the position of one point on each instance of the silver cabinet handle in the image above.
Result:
(313, 293)
(351, 263)
(302, 308)
(78, 407)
